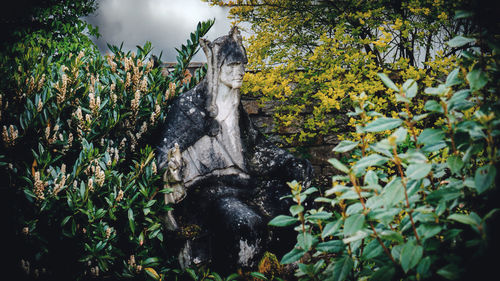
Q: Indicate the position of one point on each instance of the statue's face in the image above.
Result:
(231, 74)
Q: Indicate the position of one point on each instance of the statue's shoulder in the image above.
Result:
(194, 98)
(186, 119)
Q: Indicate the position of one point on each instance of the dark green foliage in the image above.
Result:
(77, 164)
(415, 205)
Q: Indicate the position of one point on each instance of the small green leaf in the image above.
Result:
(439, 91)
(418, 171)
(372, 250)
(338, 165)
(392, 236)
(353, 224)
(296, 209)
(459, 41)
(477, 79)
(393, 192)
(484, 177)
(292, 256)
(455, 164)
(342, 268)
(430, 136)
(131, 220)
(283, 220)
(383, 274)
(382, 124)
(410, 255)
(452, 78)
(461, 14)
(465, 219)
(258, 275)
(410, 87)
(331, 228)
(370, 160)
(450, 271)
(318, 216)
(423, 266)
(388, 82)
(345, 146)
(434, 106)
(333, 246)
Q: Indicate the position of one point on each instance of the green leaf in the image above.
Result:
(370, 160)
(430, 136)
(410, 255)
(434, 106)
(292, 256)
(342, 268)
(353, 224)
(461, 14)
(338, 165)
(331, 228)
(283, 220)
(459, 41)
(477, 79)
(400, 134)
(305, 240)
(319, 216)
(393, 193)
(452, 78)
(296, 209)
(426, 230)
(333, 246)
(484, 177)
(131, 220)
(382, 124)
(439, 91)
(418, 171)
(383, 274)
(392, 236)
(410, 87)
(423, 266)
(388, 82)
(258, 275)
(450, 271)
(465, 219)
(455, 164)
(345, 146)
(372, 250)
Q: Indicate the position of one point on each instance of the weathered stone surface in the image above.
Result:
(265, 124)
(233, 176)
(321, 154)
(251, 106)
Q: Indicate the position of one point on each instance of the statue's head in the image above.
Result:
(226, 59)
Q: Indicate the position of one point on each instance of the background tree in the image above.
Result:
(321, 55)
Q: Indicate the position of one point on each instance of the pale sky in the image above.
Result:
(165, 23)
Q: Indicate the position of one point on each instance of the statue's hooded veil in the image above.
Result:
(223, 50)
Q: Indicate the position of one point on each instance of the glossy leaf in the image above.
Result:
(283, 220)
(388, 82)
(353, 224)
(410, 255)
(484, 178)
(345, 146)
(382, 124)
(418, 171)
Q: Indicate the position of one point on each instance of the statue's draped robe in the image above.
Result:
(231, 170)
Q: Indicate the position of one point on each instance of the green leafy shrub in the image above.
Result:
(87, 198)
(414, 205)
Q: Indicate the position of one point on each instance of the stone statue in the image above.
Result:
(226, 177)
